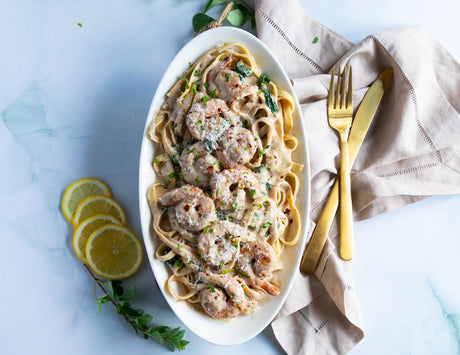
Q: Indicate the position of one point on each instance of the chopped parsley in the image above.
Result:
(176, 261)
(175, 174)
(195, 87)
(178, 148)
(224, 214)
(266, 225)
(191, 141)
(262, 152)
(242, 273)
(213, 93)
(226, 271)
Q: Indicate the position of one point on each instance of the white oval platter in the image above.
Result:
(244, 327)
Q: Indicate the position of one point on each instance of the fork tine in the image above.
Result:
(350, 88)
(330, 98)
(342, 87)
(338, 93)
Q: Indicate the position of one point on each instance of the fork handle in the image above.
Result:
(346, 209)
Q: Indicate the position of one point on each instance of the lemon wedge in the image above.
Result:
(98, 204)
(80, 190)
(113, 252)
(86, 228)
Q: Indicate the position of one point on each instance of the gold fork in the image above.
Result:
(340, 115)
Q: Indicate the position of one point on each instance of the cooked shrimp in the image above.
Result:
(213, 300)
(264, 257)
(236, 147)
(219, 245)
(215, 303)
(207, 121)
(194, 210)
(229, 85)
(257, 281)
(257, 261)
(231, 187)
(197, 165)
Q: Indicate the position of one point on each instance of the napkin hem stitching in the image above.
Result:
(296, 49)
(410, 170)
(323, 323)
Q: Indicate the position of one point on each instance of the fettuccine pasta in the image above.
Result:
(224, 199)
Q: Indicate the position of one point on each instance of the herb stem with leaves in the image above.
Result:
(114, 293)
(241, 13)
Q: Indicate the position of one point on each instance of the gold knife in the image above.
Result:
(359, 128)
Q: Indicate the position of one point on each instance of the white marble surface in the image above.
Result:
(73, 102)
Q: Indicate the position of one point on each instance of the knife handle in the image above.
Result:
(318, 239)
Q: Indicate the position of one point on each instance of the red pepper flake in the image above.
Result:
(287, 211)
(187, 208)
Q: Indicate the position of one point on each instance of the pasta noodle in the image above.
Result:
(224, 199)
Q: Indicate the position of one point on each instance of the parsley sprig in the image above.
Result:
(114, 293)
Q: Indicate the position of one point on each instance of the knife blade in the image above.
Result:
(359, 128)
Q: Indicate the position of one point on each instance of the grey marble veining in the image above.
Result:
(73, 103)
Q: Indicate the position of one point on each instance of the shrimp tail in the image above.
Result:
(268, 287)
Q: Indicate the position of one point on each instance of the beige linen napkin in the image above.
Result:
(411, 151)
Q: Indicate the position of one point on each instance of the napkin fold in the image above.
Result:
(412, 151)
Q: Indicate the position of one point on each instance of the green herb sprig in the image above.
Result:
(114, 293)
(243, 70)
(268, 95)
(241, 13)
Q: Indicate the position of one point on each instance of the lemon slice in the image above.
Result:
(80, 190)
(86, 228)
(98, 204)
(113, 252)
